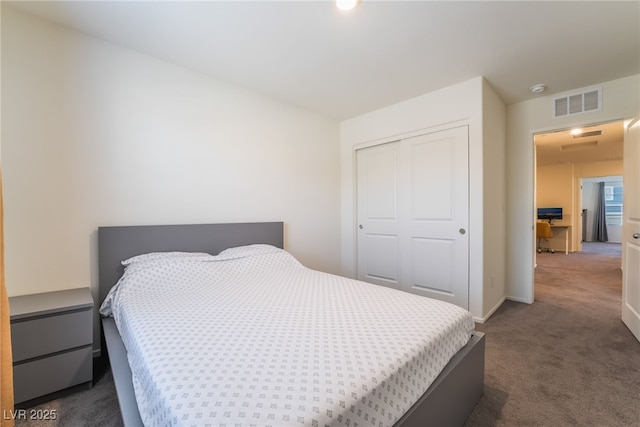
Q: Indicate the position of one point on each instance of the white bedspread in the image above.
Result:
(251, 337)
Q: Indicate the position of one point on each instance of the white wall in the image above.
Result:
(620, 101)
(494, 199)
(94, 134)
(441, 109)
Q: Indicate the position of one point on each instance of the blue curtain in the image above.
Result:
(600, 217)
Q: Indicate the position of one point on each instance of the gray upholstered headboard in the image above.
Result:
(116, 244)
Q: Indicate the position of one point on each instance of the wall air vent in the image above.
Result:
(576, 103)
(579, 146)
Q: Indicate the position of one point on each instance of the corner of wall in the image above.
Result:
(494, 203)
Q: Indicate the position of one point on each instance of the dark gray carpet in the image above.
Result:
(566, 360)
(96, 407)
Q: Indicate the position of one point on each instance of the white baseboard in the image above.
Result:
(516, 299)
(488, 315)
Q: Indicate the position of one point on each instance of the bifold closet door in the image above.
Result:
(413, 215)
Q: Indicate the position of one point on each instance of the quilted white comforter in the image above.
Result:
(251, 337)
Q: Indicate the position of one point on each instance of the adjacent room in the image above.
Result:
(289, 213)
(579, 173)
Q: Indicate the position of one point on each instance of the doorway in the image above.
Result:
(602, 199)
(568, 161)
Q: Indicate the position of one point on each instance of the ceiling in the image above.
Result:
(310, 54)
(595, 143)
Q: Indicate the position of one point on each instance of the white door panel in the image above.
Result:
(380, 169)
(377, 199)
(632, 293)
(437, 251)
(429, 258)
(381, 249)
(431, 178)
(631, 230)
(413, 215)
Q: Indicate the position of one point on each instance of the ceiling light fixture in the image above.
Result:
(539, 88)
(586, 134)
(576, 131)
(346, 4)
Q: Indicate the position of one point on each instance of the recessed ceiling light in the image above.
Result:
(346, 4)
(539, 88)
(576, 131)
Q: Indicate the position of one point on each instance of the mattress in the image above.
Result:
(251, 337)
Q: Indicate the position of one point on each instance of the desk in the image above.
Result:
(566, 235)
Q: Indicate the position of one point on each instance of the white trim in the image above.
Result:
(516, 299)
(409, 134)
(490, 313)
(532, 135)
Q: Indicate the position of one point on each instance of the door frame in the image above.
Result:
(535, 185)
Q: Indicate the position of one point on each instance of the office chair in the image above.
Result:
(544, 232)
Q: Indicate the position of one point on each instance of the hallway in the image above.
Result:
(567, 359)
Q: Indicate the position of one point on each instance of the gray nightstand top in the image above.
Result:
(25, 306)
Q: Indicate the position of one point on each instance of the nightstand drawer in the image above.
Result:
(50, 334)
(50, 374)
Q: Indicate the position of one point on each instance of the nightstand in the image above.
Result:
(52, 341)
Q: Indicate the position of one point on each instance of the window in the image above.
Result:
(613, 202)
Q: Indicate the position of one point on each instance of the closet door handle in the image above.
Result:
(636, 235)
(462, 231)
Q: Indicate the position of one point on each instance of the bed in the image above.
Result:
(449, 399)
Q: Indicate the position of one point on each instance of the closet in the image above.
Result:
(413, 214)
(423, 196)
